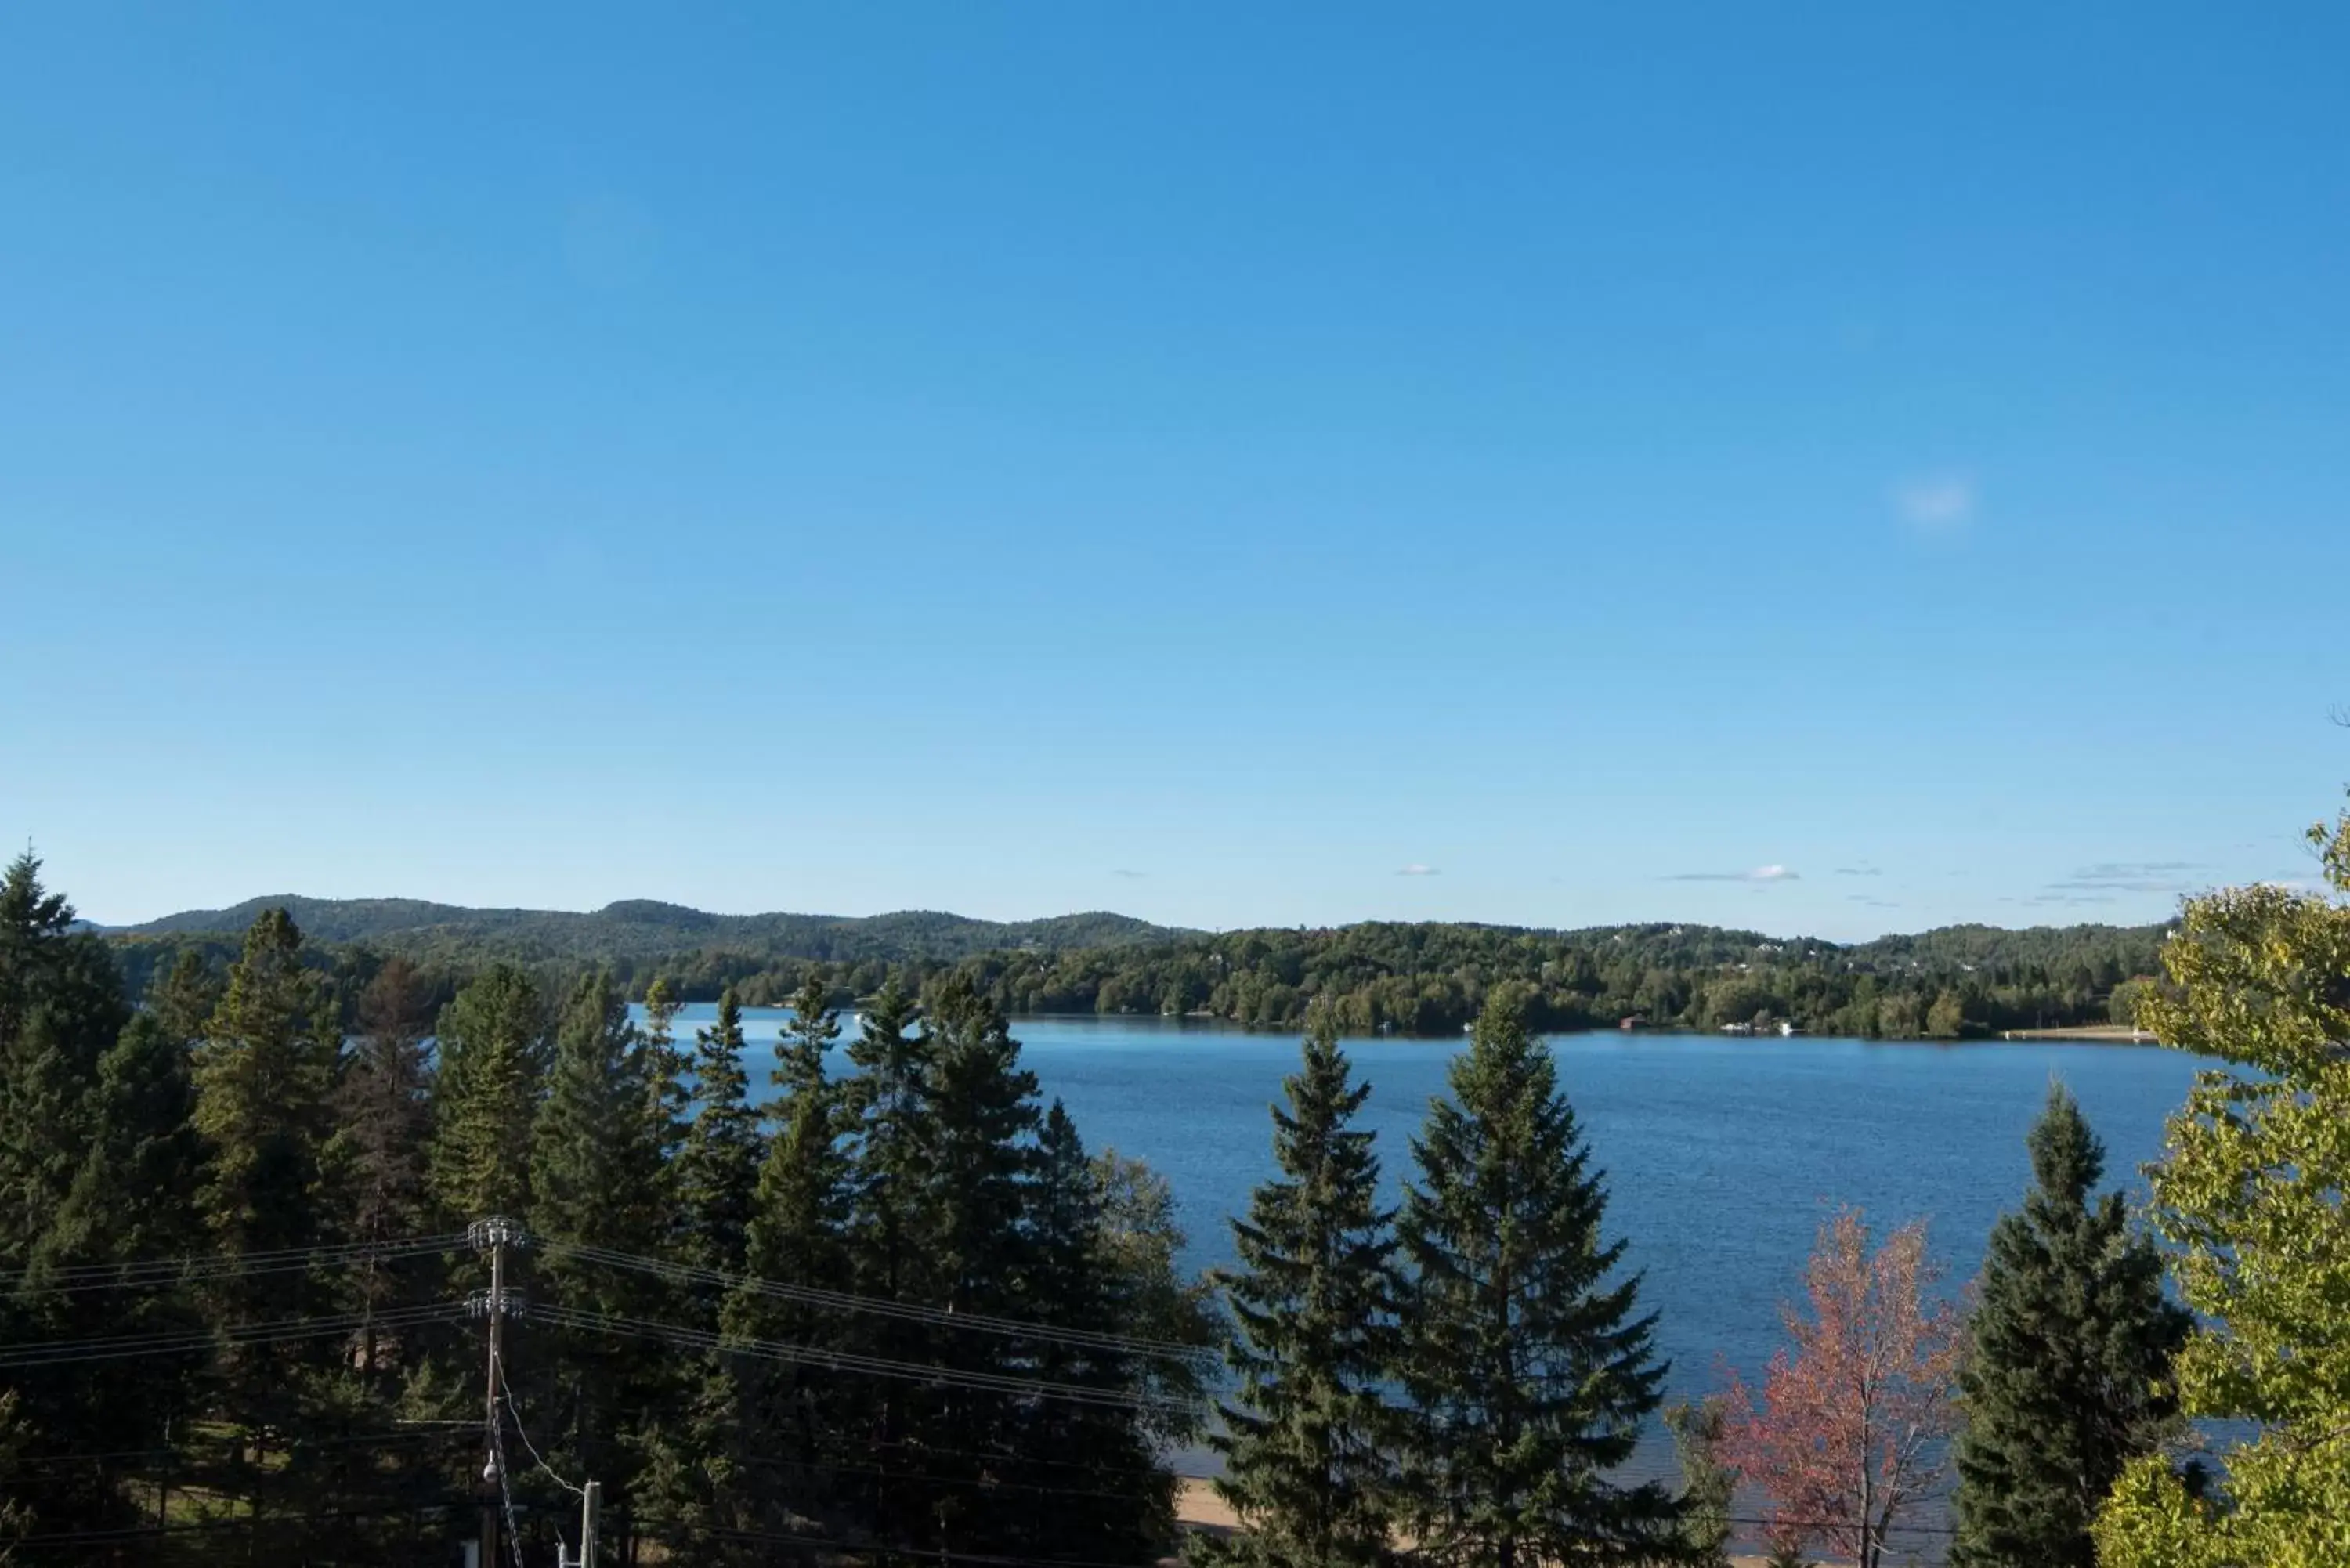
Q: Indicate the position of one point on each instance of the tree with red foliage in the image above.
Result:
(1851, 1426)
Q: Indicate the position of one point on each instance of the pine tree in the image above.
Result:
(61, 1009)
(979, 1161)
(182, 997)
(131, 1200)
(2068, 1378)
(700, 1449)
(385, 1118)
(493, 1055)
(1530, 1373)
(595, 1182)
(1124, 1509)
(264, 1084)
(718, 1165)
(786, 1420)
(1709, 1484)
(1308, 1445)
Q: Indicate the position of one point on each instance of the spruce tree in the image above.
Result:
(1709, 1484)
(264, 1085)
(886, 1110)
(787, 1420)
(979, 1161)
(61, 1008)
(1529, 1368)
(1120, 1502)
(385, 1118)
(595, 1182)
(132, 1201)
(718, 1164)
(699, 1451)
(494, 1056)
(2069, 1376)
(1308, 1443)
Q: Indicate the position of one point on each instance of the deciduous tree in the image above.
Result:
(1847, 1433)
(2250, 1194)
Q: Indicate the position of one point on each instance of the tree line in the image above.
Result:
(1407, 978)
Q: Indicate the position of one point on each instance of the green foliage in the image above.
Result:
(1529, 1368)
(2067, 1377)
(494, 1056)
(264, 1110)
(1709, 1484)
(596, 1181)
(718, 1164)
(60, 1009)
(2250, 1193)
(1308, 1441)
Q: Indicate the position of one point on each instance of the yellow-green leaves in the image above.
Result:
(2251, 1190)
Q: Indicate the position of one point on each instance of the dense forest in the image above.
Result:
(249, 1221)
(1410, 979)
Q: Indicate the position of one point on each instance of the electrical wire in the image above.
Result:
(193, 1527)
(32, 1354)
(842, 1361)
(139, 1273)
(842, 1301)
(506, 1391)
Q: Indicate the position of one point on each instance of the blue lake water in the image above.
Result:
(1722, 1155)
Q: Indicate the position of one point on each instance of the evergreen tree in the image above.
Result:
(980, 1159)
(1308, 1445)
(493, 1055)
(131, 1200)
(700, 1451)
(385, 1119)
(1122, 1509)
(595, 1182)
(666, 1066)
(182, 997)
(61, 1009)
(1709, 1484)
(886, 1108)
(771, 1464)
(265, 1085)
(718, 1165)
(1530, 1373)
(2068, 1378)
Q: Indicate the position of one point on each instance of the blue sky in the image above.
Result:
(1832, 469)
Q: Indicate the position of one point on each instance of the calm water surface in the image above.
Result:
(1721, 1155)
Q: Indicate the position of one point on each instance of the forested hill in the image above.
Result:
(640, 929)
(1393, 977)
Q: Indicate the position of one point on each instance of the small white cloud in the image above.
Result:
(1417, 870)
(1760, 873)
(1938, 505)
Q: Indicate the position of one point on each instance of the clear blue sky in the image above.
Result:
(1231, 463)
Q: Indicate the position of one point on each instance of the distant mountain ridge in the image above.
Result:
(648, 927)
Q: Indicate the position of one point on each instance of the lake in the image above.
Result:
(1721, 1154)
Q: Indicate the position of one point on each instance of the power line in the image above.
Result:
(142, 1272)
(842, 1301)
(62, 1353)
(843, 1361)
(205, 1526)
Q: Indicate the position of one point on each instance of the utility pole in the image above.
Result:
(591, 1508)
(494, 1236)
